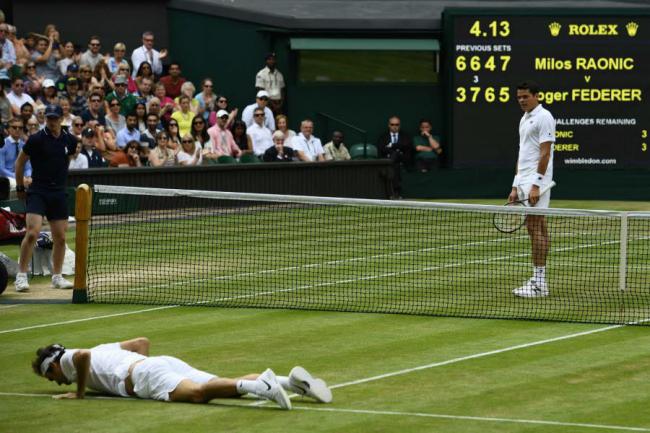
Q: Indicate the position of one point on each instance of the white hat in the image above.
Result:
(222, 113)
(48, 83)
(262, 94)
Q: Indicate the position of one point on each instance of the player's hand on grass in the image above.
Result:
(67, 395)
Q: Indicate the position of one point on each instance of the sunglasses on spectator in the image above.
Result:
(394, 124)
(19, 85)
(95, 45)
(30, 66)
(78, 124)
(207, 85)
(198, 122)
(124, 69)
(187, 141)
(223, 100)
(15, 126)
(224, 118)
(263, 98)
(173, 124)
(95, 100)
(259, 114)
(86, 72)
(120, 85)
(164, 137)
(114, 105)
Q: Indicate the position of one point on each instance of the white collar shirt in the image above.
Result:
(261, 138)
(271, 81)
(311, 147)
(247, 116)
(109, 366)
(152, 56)
(535, 127)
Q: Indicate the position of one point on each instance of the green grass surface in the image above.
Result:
(599, 378)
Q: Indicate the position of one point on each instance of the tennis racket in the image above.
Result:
(510, 222)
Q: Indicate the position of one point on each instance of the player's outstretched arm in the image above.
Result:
(138, 345)
(81, 362)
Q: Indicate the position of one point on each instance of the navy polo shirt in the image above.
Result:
(49, 158)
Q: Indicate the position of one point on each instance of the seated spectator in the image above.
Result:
(427, 148)
(78, 160)
(261, 100)
(27, 112)
(335, 150)
(143, 71)
(153, 128)
(92, 56)
(307, 147)
(120, 94)
(259, 133)
(206, 99)
(130, 132)
(397, 146)
(39, 113)
(68, 117)
(45, 57)
(78, 102)
(17, 97)
(221, 140)
(113, 118)
(76, 126)
(72, 70)
(114, 62)
(31, 79)
(173, 81)
(22, 52)
(153, 106)
(222, 104)
(127, 157)
(12, 145)
(271, 80)
(67, 58)
(6, 49)
(125, 71)
(85, 78)
(282, 123)
(190, 153)
(147, 53)
(241, 137)
(5, 106)
(199, 131)
(95, 110)
(162, 155)
(279, 152)
(49, 94)
(141, 114)
(166, 103)
(88, 141)
(173, 135)
(184, 115)
(188, 90)
(32, 126)
(145, 90)
(101, 77)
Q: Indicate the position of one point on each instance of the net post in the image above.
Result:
(622, 265)
(83, 206)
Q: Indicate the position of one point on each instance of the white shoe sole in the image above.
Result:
(307, 385)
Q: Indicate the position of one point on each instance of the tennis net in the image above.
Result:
(160, 246)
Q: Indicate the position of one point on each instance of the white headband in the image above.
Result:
(45, 365)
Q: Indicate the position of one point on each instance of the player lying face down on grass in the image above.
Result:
(125, 369)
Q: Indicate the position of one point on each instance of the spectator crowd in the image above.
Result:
(137, 109)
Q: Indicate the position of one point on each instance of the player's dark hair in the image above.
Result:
(531, 86)
(44, 352)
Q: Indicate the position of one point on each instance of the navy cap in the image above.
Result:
(53, 111)
(73, 67)
(269, 55)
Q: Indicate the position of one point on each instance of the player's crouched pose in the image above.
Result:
(126, 369)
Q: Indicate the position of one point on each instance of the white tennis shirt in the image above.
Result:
(109, 366)
(535, 127)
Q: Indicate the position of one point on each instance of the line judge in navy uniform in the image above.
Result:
(49, 152)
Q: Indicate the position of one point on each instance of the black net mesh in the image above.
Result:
(357, 256)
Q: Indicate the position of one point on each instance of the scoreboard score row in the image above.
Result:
(594, 75)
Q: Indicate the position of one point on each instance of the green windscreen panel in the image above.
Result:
(407, 61)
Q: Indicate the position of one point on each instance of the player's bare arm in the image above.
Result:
(544, 157)
(81, 362)
(138, 345)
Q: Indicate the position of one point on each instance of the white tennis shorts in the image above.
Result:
(157, 376)
(524, 189)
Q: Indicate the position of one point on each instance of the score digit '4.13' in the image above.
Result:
(493, 29)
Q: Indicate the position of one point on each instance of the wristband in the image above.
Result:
(538, 179)
(515, 181)
(20, 188)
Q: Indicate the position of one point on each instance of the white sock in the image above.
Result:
(247, 386)
(540, 274)
(284, 382)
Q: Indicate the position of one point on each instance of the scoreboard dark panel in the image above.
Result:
(593, 70)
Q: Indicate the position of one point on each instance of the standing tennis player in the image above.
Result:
(125, 369)
(49, 152)
(534, 172)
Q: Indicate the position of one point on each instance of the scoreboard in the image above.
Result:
(593, 69)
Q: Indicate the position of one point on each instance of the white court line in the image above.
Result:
(397, 413)
(10, 306)
(45, 325)
(463, 358)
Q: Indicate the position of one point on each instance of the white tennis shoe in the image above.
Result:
(303, 383)
(21, 283)
(269, 388)
(58, 282)
(532, 289)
